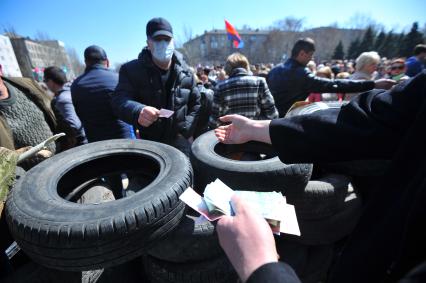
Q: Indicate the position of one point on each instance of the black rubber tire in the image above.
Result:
(128, 272)
(218, 270)
(264, 175)
(314, 107)
(189, 242)
(19, 174)
(35, 273)
(66, 235)
(321, 198)
(330, 229)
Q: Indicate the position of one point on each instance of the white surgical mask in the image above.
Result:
(163, 50)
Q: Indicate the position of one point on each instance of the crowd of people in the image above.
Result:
(101, 104)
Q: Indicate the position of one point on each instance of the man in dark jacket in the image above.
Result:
(62, 105)
(158, 79)
(388, 241)
(91, 95)
(292, 81)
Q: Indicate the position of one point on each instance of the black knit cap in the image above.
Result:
(94, 53)
(158, 26)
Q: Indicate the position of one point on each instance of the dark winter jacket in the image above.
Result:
(292, 81)
(91, 95)
(389, 239)
(140, 84)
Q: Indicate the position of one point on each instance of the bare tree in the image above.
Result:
(187, 33)
(363, 21)
(10, 31)
(424, 30)
(76, 64)
(42, 36)
(117, 66)
(246, 27)
(289, 24)
(334, 25)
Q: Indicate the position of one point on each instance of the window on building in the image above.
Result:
(203, 48)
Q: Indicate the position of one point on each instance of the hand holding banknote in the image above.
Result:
(246, 238)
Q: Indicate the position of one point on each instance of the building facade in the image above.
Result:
(264, 46)
(33, 56)
(8, 62)
(213, 47)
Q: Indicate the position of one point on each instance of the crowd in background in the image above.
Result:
(381, 67)
(158, 97)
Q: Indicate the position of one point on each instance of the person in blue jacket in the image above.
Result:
(91, 94)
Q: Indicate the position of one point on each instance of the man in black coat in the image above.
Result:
(389, 239)
(91, 95)
(159, 79)
(292, 81)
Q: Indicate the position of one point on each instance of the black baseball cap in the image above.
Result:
(158, 26)
(94, 53)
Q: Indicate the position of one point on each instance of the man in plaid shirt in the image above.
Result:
(242, 94)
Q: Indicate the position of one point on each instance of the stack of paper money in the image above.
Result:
(217, 203)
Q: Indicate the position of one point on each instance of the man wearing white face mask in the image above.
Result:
(158, 79)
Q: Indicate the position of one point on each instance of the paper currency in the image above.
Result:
(270, 205)
(217, 196)
(165, 113)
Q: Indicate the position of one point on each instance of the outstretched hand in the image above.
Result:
(242, 129)
(235, 132)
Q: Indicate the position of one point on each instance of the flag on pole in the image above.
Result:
(233, 35)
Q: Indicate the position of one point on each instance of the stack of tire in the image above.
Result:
(55, 230)
(190, 254)
(326, 206)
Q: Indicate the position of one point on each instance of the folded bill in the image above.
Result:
(165, 113)
(217, 196)
(272, 206)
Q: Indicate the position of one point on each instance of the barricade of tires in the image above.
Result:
(326, 205)
(56, 231)
(59, 224)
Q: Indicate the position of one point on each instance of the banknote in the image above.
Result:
(216, 203)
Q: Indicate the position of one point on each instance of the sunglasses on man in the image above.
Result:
(399, 67)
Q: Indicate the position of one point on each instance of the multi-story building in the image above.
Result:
(33, 56)
(264, 46)
(8, 62)
(213, 46)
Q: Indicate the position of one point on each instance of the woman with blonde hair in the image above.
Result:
(366, 65)
(242, 93)
(365, 69)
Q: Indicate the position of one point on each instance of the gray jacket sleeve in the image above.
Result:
(67, 111)
(124, 102)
